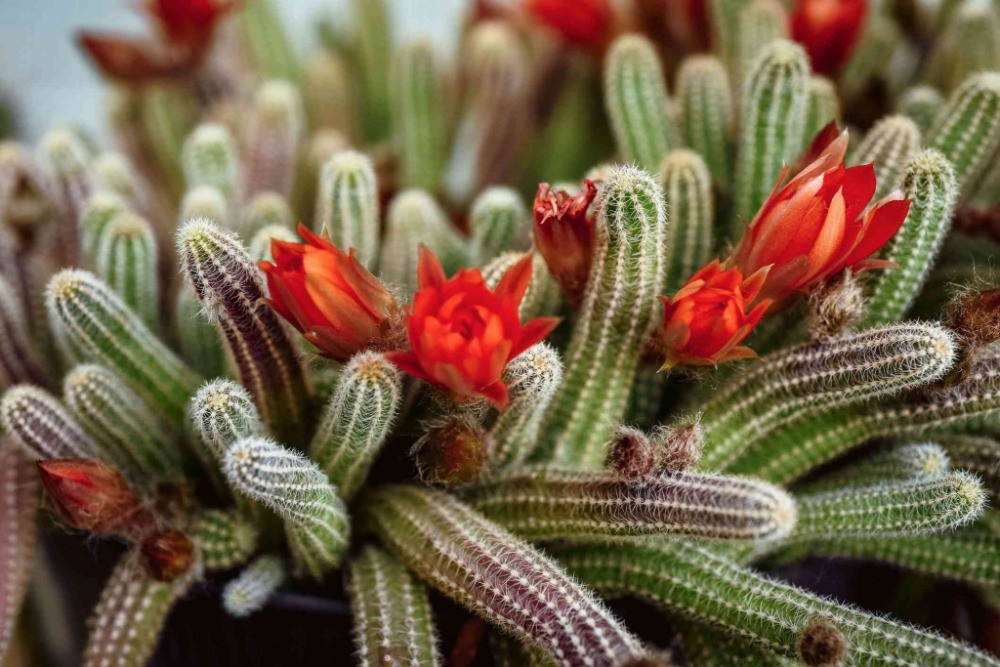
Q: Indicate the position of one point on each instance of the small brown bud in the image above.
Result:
(452, 452)
(631, 455)
(89, 495)
(975, 317)
(167, 555)
(835, 305)
(821, 644)
(678, 447)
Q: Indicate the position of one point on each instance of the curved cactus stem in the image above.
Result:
(199, 341)
(125, 257)
(254, 586)
(224, 539)
(102, 206)
(209, 157)
(67, 160)
(18, 505)
(921, 104)
(968, 43)
(329, 94)
(260, 243)
(499, 222)
(977, 454)
(922, 462)
(760, 23)
(703, 644)
(373, 30)
(267, 210)
(35, 420)
(19, 360)
(822, 108)
(262, 29)
(414, 217)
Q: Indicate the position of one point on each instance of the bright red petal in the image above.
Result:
(430, 273)
(496, 393)
(515, 282)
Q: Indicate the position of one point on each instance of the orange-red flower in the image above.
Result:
(705, 322)
(580, 22)
(462, 334)
(564, 235)
(89, 495)
(816, 225)
(828, 29)
(328, 295)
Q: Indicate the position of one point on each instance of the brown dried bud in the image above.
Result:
(89, 495)
(835, 305)
(975, 317)
(452, 452)
(821, 644)
(678, 447)
(167, 555)
(631, 455)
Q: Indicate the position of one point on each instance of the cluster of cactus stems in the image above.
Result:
(142, 337)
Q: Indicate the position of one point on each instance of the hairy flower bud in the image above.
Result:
(631, 454)
(452, 453)
(89, 495)
(167, 555)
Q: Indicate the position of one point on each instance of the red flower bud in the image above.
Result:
(328, 295)
(89, 495)
(828, 29)
(167, 555)
(452, 453)
(564, 235)
(462, 334)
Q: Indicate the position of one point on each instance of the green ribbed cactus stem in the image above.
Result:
(890, 145)
(705, 105)
(725, 16)
(19, 359)
(224, 538)
(499, 222)
(977, 454)
(67, 162)
(804, 380)
(223, 413)
(126, 624)
(498, 576)
(414, 217)
(695, 583)
(929, 182)
(775, 101)
(329, 94)
(230, 287)
(544, 296)
(420, 115)
(902, 463)
(687, 190)
(316, 521)
(347, 205)
(532, 379)
(115, 174)
(205, 201)
(356, 421)
(541, 504)
(635, 95)
(267, 209)
(18, 511)
(263, 32)
(967, 130)
(760, 23)
(101, 207)
(260, 243)
(392, 613)
(43, 429)
(373, 35)
(95, 325)
(125, 258)
(249, 592)
(320, 147)
(890, 508)
(705, 645)
(166, 113)
(199, 341)
(272, 139)
(127, 430)
(618, 313)
(969, 43)
(822, 107)
(209, 157)
(880, 39)
(921, 104)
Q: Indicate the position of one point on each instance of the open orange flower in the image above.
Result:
(707, 319)
(462, 334)
(816, 225)
(564, 235)
(579, 22)
(828, 29)
(328, 295)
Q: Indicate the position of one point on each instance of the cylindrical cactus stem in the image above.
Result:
(126, 259)
(356, 421)
(635, 94)
(230, 286)
(414, 217)
(695, 583)
(254, 586)
(967, 130)
(347, 205)
(920, 462)
(890, 508)
(199, 341)
(890, 145)
(18, 510)
(126, 624)
(329, 94)
(544, 297)
(618, 313)
(260, 243)
(977, 454)
(541, 504)
(392, 614)
(223, 413)
(705, 104)
(95, 325)
(266, 209)
(822, 107)
(420, 115)
(499, 222)
(127, 430)
(775, 101)
(968, 43)
(67, 160)
(19, 362)
(725, 16)
(224, 539)
(297, 490)
(116, 175)
(929, 182)
(205, 201)
(705, 645)
(36, 421)
(263, 31)
(760, 23)
(209, 157)
(373, 32)
(687, 190)
(101, 207)
(921, 104)
(531, 379)
(271, 143)
(807, 379)
(497, 575)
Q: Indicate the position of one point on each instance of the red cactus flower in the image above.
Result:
(462, 334)
(328, 295)
(705, 322)
(564, 235)
(580, 22)
(188, 21)
(816, 225)
(828, 29)
(89, 495)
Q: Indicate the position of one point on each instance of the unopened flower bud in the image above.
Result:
(835, 305)
(89, 495)
(452, 453)
(167, 555)
(631, 455)
(678, 447)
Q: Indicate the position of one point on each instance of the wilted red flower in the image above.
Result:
(707, 319)
(462, 334)
(89, 495)
(328, 295)
(581, 22)
(816, 225)
(564, 235)
(167, 554)
(189, 22)
(828, 29)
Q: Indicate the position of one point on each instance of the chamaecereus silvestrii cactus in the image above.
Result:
(434, 358)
